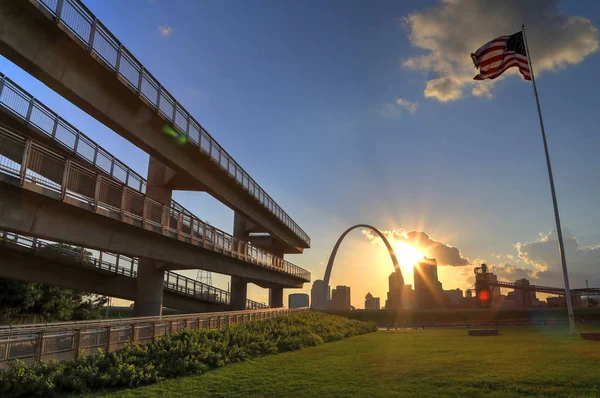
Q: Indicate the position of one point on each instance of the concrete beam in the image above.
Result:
(30, 213)
(26, 266)
(43, 49)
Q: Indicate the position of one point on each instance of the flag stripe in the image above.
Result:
(500, 54)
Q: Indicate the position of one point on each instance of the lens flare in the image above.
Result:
(181, 138)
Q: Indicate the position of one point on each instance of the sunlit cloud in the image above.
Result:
(165, 30)
(451, 31)
(446, 255)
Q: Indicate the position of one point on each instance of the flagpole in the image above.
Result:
(561, 246)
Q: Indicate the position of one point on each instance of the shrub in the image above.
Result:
(184, 353)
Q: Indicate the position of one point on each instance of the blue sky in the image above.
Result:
(304, 95)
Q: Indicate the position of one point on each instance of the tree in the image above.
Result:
(53, 303)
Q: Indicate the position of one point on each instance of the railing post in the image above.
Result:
(108, 337)
(76, 143)
(123, 199)
(92, 34)
(163, 218)
(65, 178)
(133, 336)
(77, 338)
(140, 79)
(40, 346)
(25, 162)
(2, 86)
(179, 222)
(174, 111)
(145, 212)
(54, 127)
(118, 62)
(29, 110)
(81, 254)
(97, 191)
(100, 258)
(219, 322)
(59, 7)
(158, 95)
(153, 332)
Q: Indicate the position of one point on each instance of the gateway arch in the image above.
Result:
(337, 245)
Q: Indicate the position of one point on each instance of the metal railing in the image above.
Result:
(121, 265)
(81, 25)
(68, 340)
(43, 170)
(24, 107)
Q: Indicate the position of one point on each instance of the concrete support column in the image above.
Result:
(239, 293)
(276, 297)
(150, 279)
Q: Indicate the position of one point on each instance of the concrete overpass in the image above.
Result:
(63, 44)
(103, 213)
(66, 47)
(31, 259)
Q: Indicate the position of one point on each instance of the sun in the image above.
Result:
(408, 255)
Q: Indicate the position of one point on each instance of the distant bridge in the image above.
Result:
(545, 289)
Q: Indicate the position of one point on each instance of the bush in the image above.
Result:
(184, 353)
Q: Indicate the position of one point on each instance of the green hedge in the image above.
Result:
(184, 353)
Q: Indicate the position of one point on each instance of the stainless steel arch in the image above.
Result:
(337, 245)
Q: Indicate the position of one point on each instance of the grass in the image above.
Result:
(522, 361)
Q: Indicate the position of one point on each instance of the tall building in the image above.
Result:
(340, 299)
(372, 303)
(298, 300)
(428, 290)
(318, 302)
(407, 297)
(394, 296)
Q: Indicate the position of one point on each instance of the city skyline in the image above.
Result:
(400, 127)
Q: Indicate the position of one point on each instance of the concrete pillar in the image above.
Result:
(239, 293)
(150, 279)
(276, 297)
(241, 226)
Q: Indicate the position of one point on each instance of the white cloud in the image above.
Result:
(393, 111)
(451, 31)
(582, 262)
(165, 30)
(410, 106)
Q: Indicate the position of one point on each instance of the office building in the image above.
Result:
(372, 303)
(318, 302)
(298, 300)
(428, 290)
(340, 299)
(394, 295)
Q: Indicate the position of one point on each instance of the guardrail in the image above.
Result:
(35, 165)
(83, 26)
(121, 265)
(68, 340)
(24, 107)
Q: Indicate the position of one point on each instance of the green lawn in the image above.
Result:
(522, 361)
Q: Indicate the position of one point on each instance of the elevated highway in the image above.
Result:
(111, 274)
(42, 189)
(65, 46)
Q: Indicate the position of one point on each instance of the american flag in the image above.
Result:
(496, 56)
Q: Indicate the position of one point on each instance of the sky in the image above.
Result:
(350, 112)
